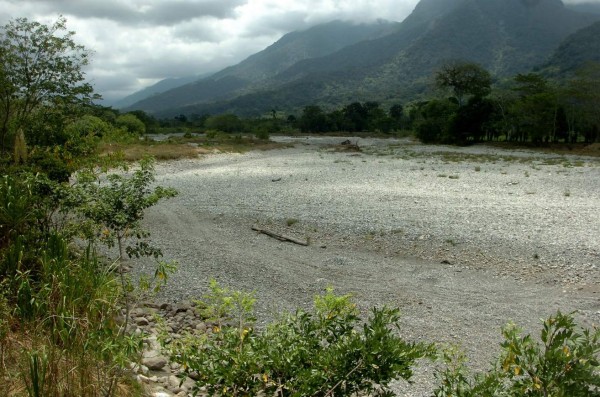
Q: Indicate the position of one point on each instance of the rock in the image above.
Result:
(155, 363)
(174, 384)
(201, 326)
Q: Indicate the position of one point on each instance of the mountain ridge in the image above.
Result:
(504, 36)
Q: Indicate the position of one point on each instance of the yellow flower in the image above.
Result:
(517, 370)
(567, 351)
(265, 378)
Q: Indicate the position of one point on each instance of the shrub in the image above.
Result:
(564, 364)
(318, 353)
(131, 124)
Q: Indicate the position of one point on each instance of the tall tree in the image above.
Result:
(41, 75)
(464, 78)
(584, 95)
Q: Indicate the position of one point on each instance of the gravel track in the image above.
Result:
(461, 239)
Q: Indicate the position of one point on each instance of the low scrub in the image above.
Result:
(562, 363)
(324, 352)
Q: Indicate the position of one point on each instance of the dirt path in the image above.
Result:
(208, 230)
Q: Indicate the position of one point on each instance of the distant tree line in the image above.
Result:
(355, 117)
(526, 108)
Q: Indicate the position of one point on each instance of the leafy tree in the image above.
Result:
(313, 119)
(434, 120)
(41, 80)
(535, 111)
(131, 124)
(356, 116)
(396, 112)
(470, 121)
(117, 206)
(83, 133)
(464, 78)
(584, 96)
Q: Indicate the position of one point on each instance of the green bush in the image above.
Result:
(563, 363)
(323, 352)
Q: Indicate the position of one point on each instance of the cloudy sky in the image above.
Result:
(138, 42)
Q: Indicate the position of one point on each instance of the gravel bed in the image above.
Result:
(461, 239)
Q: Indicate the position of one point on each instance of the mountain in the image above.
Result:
(317, 41)
(577, 49)
(586, 7)
(504, 36)
(158, 88)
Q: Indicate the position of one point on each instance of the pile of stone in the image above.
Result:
(160, 376)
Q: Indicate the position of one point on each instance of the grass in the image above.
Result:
(291, 221)
(191, 147)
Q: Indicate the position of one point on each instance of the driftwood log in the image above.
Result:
(280, 237)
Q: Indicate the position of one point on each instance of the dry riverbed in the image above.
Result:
(461, 239)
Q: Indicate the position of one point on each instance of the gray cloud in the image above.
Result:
(151, 12)
(138, 42)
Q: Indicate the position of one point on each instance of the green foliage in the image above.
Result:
(41, 80)
(83, 135)
(131, 124)
(464, 78)
(319, 353)
(117, 206)
(433, 122)
(564, 362)
(224, 122)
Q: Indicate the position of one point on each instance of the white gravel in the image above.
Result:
(462, 239)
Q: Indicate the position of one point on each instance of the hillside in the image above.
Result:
(158, 88)
(577, 49)
(505, 36)
(293, 47)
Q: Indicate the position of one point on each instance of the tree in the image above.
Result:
(464, 78)
(434, 120)
(131, 123)
(356, 116)
(313, 119)
(584, 95)
(41, 77)
(536, 109)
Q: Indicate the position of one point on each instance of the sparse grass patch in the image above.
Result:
(477, 168)
(291, 221)
(159, 150)
(187, 146)
(453, 177)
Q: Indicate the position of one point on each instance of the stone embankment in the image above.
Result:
(160, 376)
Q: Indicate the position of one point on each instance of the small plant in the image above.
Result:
(567, 193)
(564, 362)
(324, 352)
(477, 168)
(291, 221)
(454, 177)
(526, 174)
(442, 175)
